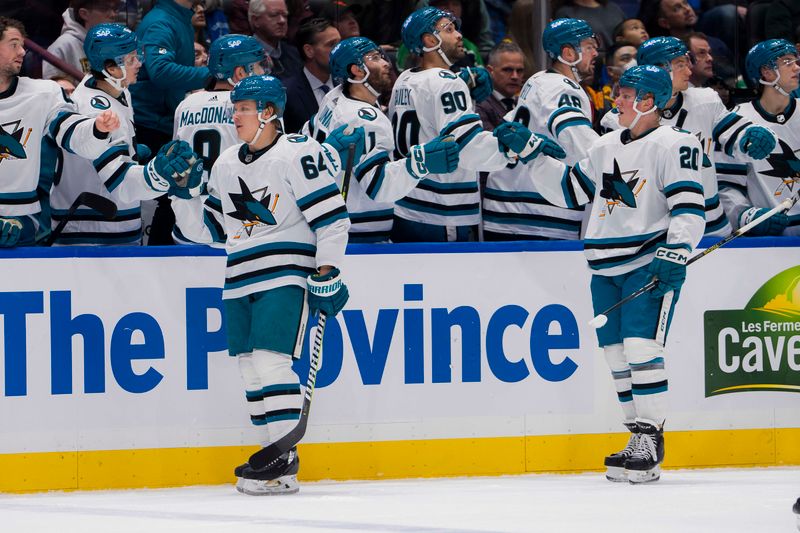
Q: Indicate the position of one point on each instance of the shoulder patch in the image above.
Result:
(572, 84)
(100, 102)
(368, 113)
(679, 130)
(446, 74)
(296, 138)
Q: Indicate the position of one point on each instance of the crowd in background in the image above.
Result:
(298, 36)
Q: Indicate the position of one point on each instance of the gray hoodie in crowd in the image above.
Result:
(69, 47)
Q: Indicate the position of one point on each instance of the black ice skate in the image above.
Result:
(645, 463)
(615, 463)
(278, 477)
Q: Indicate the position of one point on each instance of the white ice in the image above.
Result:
(744, 500)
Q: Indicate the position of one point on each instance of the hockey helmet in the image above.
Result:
(350, 52)
(231, 51)
(766, 54)
(565, 32)
(419, 23)
(649, 79)
(108, 41)
(264, 90)
(660, 51)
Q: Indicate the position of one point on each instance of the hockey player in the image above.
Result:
(31, 109)
(432, 101)
(362, 72)
(647, 217)
(114, 60)
(750, 188)
(274, 203)
(700, 111)
(551, 103)
(205, 118)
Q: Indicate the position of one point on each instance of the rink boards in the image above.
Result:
(471, 359)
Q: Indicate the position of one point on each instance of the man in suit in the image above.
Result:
(506, 66)
(269, 20)
(305, 90)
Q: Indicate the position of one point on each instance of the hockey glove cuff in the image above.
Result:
(669, 267)
(479, 82)
(10, 231)
(438, 156)
(327, 293)
(774, 225)
(757, 142)
(514, 137)
(339, 142)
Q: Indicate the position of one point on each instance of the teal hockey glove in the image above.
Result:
(327, 293)
(514, 137)
(339, 141)
(10, 231)
(143, 153)
(757, 142)
(774, 225)
(175, 170)
(479, 82)
(669, 266)
(440, 155)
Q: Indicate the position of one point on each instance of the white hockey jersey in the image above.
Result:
(701, 112)
(116, 175)
(279, 213)
(768, 182)
(645, 192)
(30, 109)
(204, 120)
(423, 105)
(553, 105)
(378, 181)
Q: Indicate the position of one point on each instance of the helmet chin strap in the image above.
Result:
(262, 122)
(116, 82)
(571, 65)
(774, 84)
(250, 72)
(438, 48)
(639, 114)
(363, 81)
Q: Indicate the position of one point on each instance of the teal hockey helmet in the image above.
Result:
(350, 52)
(106, 42)
(231, 51)
(419, 23)
(649, 79)
(660, 51)
(766, 54)
(264, 90)
(565, 32)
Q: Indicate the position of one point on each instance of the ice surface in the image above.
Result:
(727, 500)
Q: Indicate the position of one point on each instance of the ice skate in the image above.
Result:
(796, 511)
(645, 464)
(278, 477)
(615, 463)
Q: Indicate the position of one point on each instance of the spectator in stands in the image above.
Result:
(783, 18)
(299, 12)
(631, 31)
(166, 37)
(199, 23)
(315, 38)
(507, 68)
(519, 31)
(65, 82)
(475, 24)
(236, 12)
(702, 60)
(603, 16)
(342, 14)
(200, 55)
(381, 21)
(216, 22)
(619, 58)
(269, 20)
(79, 17)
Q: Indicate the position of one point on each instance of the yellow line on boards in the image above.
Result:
(172, 467)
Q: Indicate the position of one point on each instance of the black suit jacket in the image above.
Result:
(491, 112)
(300, 103)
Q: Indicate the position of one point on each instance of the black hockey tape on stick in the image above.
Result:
(102, 205)
(600, 320)
(266, 455)
(348, 169)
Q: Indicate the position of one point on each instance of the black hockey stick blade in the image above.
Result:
(102, 205)
(266, 455)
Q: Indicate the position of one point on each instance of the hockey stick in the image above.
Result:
(266, 455)
(600, 320)
(348, 170)
(102, 205)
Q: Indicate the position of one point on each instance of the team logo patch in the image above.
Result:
(446, 74)
(100, 102)
(571, 84)
(11, 144)
(617, 191)
(296, 138)
(253, 209)
(367, 113)
(785, 166)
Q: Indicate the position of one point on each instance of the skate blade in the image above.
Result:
(276, 487)
(617, 474)
(644, 476)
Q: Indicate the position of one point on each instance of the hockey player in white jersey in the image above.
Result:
(204, 119)
(363, 75)
(112, 51)
(700, 111)
(750, 188)
(431, 101)
(551, 103)
(647, 217)
(29, 110)
(274, 203)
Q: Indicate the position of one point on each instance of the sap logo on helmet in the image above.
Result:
(100, 102)
(162, 51)
(446, 74)
(103, 33)
(235, 43)
(367, 113)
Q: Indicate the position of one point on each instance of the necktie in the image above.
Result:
(324, 88)
(508, 103)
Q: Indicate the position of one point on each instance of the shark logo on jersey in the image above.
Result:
(367, 113)
(617, 191)
(251, 211)
(785, 166)
(100, 102)
(11, 144)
